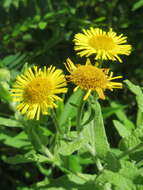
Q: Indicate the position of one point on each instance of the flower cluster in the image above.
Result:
(38, 90)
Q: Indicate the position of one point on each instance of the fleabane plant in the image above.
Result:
(75, 130)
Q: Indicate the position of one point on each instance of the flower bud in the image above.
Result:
(4, 74)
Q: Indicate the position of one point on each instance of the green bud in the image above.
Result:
(4, 74)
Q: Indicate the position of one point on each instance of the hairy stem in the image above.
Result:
(80, 113)
(54, 118)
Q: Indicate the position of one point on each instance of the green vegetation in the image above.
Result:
(79, 145)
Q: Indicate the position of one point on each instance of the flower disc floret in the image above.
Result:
(88, 77)
(38, 90)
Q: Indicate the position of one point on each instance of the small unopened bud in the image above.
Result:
(4, 74)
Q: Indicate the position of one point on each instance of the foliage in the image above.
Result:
(97, 148)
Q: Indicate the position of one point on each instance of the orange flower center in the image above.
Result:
(38, 90)
(88, 77)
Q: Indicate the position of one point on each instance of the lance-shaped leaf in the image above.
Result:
(94, 133)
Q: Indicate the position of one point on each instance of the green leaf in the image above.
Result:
(137, 5)
(139, 98)
(4, 93)
(67, 148)
(132, 140)
(74, 164)
(16, 3)
(10, 122)
(88, 116)
(139, 119)
(122, 130)
(138, 92)
(4, 74)
(139, 187)
(26, 158)
(43, 169)
(112, 162)
(83, 182)
(88, 133)
(129, 170)
(94, 133)
(125, 177)
(37, 137)
(122, 117)
(109, 111)
(7, 3)
(101, 142)
(27, 37)
(59, 109)
(14, 61)
(66, 182)
(117, 181)
(100, 19)
(18, 141)
(42, 25)
(69, 112)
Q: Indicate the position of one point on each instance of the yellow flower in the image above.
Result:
(90, 78)
(106, 45)
(36, 90)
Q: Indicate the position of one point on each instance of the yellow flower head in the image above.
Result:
(90, 78)
(36, 90)
(106, 45)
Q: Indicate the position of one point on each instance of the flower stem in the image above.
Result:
(95, 158)
(80, 113)
(98, 164)
(100, 62)
(139, 119)
(54, 118)
(49, 2)
(82, 176)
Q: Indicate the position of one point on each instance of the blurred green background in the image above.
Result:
(41, 32)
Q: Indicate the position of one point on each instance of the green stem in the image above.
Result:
(36, 140)
(98, 164)
(95, 158)
(50, 5)
(139, 117)
(82, 176)
(54, 118)
(100, 63)
(38, 10)
(80, 113)
(129, 151)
